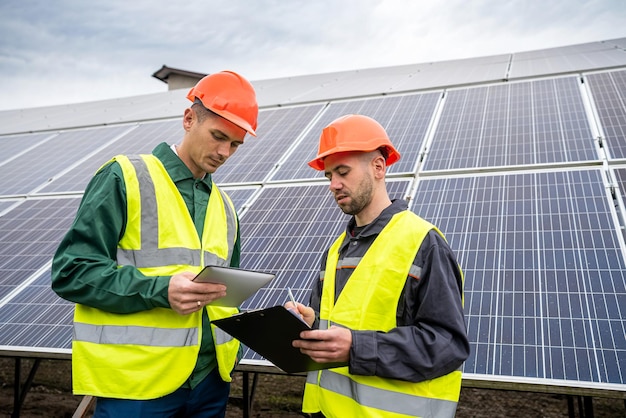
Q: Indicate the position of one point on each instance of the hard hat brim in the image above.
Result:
(318, 162)
(236, 120)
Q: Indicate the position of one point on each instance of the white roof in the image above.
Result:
(313, 88)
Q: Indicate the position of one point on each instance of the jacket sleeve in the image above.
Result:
(430, 339)
(84, 268)
(316, 292)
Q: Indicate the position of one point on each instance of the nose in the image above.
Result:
(224, 149)
(335, 184)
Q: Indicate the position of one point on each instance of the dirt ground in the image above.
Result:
(279, 396)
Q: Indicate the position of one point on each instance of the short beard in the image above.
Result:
(361, 199)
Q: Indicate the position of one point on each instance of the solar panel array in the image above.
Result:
(536, 122)
(526, 180)
(544, 267)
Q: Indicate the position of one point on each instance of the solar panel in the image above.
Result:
(278, 130)
(37, 319)
(35, 167)
(5, 205)
(286, 231)
(29, 236)
(545, 272)
(406, 119)
(136, 139)
(535, 122)
(14, 145)
(620, 174)
(619, 189)
(609, 94)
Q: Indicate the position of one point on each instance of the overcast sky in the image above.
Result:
(72, 51)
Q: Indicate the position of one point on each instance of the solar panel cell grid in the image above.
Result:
(6, 205)
(609, 95)
(14, 145)
(620, 188)
(37, 318)
(535, 122)
(29, 236)
(544, 272)
(135, 140)
(35, 167)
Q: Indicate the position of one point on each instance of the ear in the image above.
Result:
(379, 166)
(188, 119)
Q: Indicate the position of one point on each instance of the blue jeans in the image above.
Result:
(207, 400)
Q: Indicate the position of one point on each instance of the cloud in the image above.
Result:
(72, 51)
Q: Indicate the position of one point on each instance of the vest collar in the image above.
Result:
(374, 228)
(177, 170)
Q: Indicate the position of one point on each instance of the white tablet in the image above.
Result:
(240, 283)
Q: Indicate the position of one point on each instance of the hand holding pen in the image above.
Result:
(304, 313)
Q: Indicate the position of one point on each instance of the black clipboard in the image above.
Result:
(269, 332)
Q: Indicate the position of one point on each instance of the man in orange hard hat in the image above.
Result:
(143, 341)
(389, 297)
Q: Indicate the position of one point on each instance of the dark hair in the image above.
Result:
(202, 112)
(384, 151)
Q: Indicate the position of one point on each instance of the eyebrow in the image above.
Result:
(224, 136)
(339, 167)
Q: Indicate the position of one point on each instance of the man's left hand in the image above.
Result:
(326, 346)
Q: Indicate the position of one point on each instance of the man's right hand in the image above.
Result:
(186, 296)
(306, 313)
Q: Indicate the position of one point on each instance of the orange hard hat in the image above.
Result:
(229, 95)
(353, 133)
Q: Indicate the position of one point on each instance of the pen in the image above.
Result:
(293, 300)
(295, 311)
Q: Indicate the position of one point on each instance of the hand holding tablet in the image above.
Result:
(240, 284)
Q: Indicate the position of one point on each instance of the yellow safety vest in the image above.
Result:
(149, 354)
(369, 302)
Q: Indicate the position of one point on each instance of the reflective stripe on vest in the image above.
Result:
(221, 337)
(156, 337)
(380, 399)
(352, 262)
(369, 302)
(150, 255)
